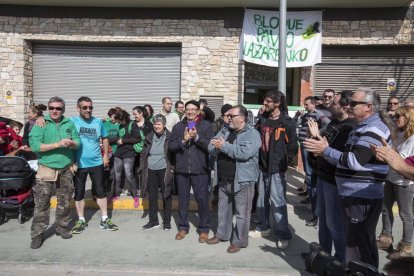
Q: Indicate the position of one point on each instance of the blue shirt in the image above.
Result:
(90, 132)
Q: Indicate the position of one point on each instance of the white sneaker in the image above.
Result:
(282, 244)
(258, 233)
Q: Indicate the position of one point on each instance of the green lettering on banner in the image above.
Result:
(303, 54)
(292, 55)
(260, 21)
(265, 52)
(257, 52)
(299, 24)
(294, 24)
(266, 36)
(249, 49)
(274, 54)
(274, 22)
(261, 33)
(290, 39)
(257, 20)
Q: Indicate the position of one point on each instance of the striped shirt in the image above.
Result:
(316, 115)
(358, 173)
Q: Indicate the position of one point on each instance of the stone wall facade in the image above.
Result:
(209, 64)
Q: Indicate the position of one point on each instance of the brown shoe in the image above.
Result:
(181, 235)
(384, 242)
(203, 237)
(233, 248)
(403, 250)
(213, 240)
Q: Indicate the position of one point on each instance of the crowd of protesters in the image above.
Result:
(347, 143)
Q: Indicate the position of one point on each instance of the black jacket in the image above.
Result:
(337, 133)
(147, 127)
(283, 144)
(192, 157)
(126, 150)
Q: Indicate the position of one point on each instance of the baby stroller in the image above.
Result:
(16, 181)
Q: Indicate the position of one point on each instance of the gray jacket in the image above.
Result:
(245, 150)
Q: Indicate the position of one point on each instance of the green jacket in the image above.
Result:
(59, 158)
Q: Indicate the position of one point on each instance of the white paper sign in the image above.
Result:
(259, 42)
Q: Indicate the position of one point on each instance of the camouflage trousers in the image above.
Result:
(42, 192)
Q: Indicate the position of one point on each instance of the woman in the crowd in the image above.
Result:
(150, 112)
(129, 134)
(112, 128)
(397, 188)
(35, 112)
(142, 119)
(157, 171)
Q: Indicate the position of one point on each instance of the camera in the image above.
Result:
(321, 263)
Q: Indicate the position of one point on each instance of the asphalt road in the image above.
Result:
(155, 252)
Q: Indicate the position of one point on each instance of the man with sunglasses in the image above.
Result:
(392, 105)
(359, 176)
(90, 162)
(55, 146)
(327, 101)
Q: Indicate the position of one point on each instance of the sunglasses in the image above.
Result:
(231, 116)
(393, 103)
(397, 115)
(87, 107)
(327, 97)
(58, 108)
(355, 103)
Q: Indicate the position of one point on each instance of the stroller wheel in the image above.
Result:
(20, 218)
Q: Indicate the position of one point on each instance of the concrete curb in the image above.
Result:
(125, 204)
(128, 204)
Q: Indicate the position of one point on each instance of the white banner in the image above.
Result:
(259, 42)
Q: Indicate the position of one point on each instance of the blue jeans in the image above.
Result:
(331, 221)
(306, 166)
(271, 199)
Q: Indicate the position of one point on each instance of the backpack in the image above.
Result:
(138, 146)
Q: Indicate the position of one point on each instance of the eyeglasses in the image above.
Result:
(231, 116)
(355, 103)
(87, 107)
(393, 103)
(58, 108)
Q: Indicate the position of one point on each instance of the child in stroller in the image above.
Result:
(16, 181)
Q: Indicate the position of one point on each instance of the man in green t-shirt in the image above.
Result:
(55, 146)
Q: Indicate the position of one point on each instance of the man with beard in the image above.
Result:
(331, 224)
(90, 162)
(279, 146)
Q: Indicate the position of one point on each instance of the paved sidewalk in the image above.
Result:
(132, 250)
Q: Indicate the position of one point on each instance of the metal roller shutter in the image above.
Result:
(349, 68)
(110, 76)
(214, 103)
